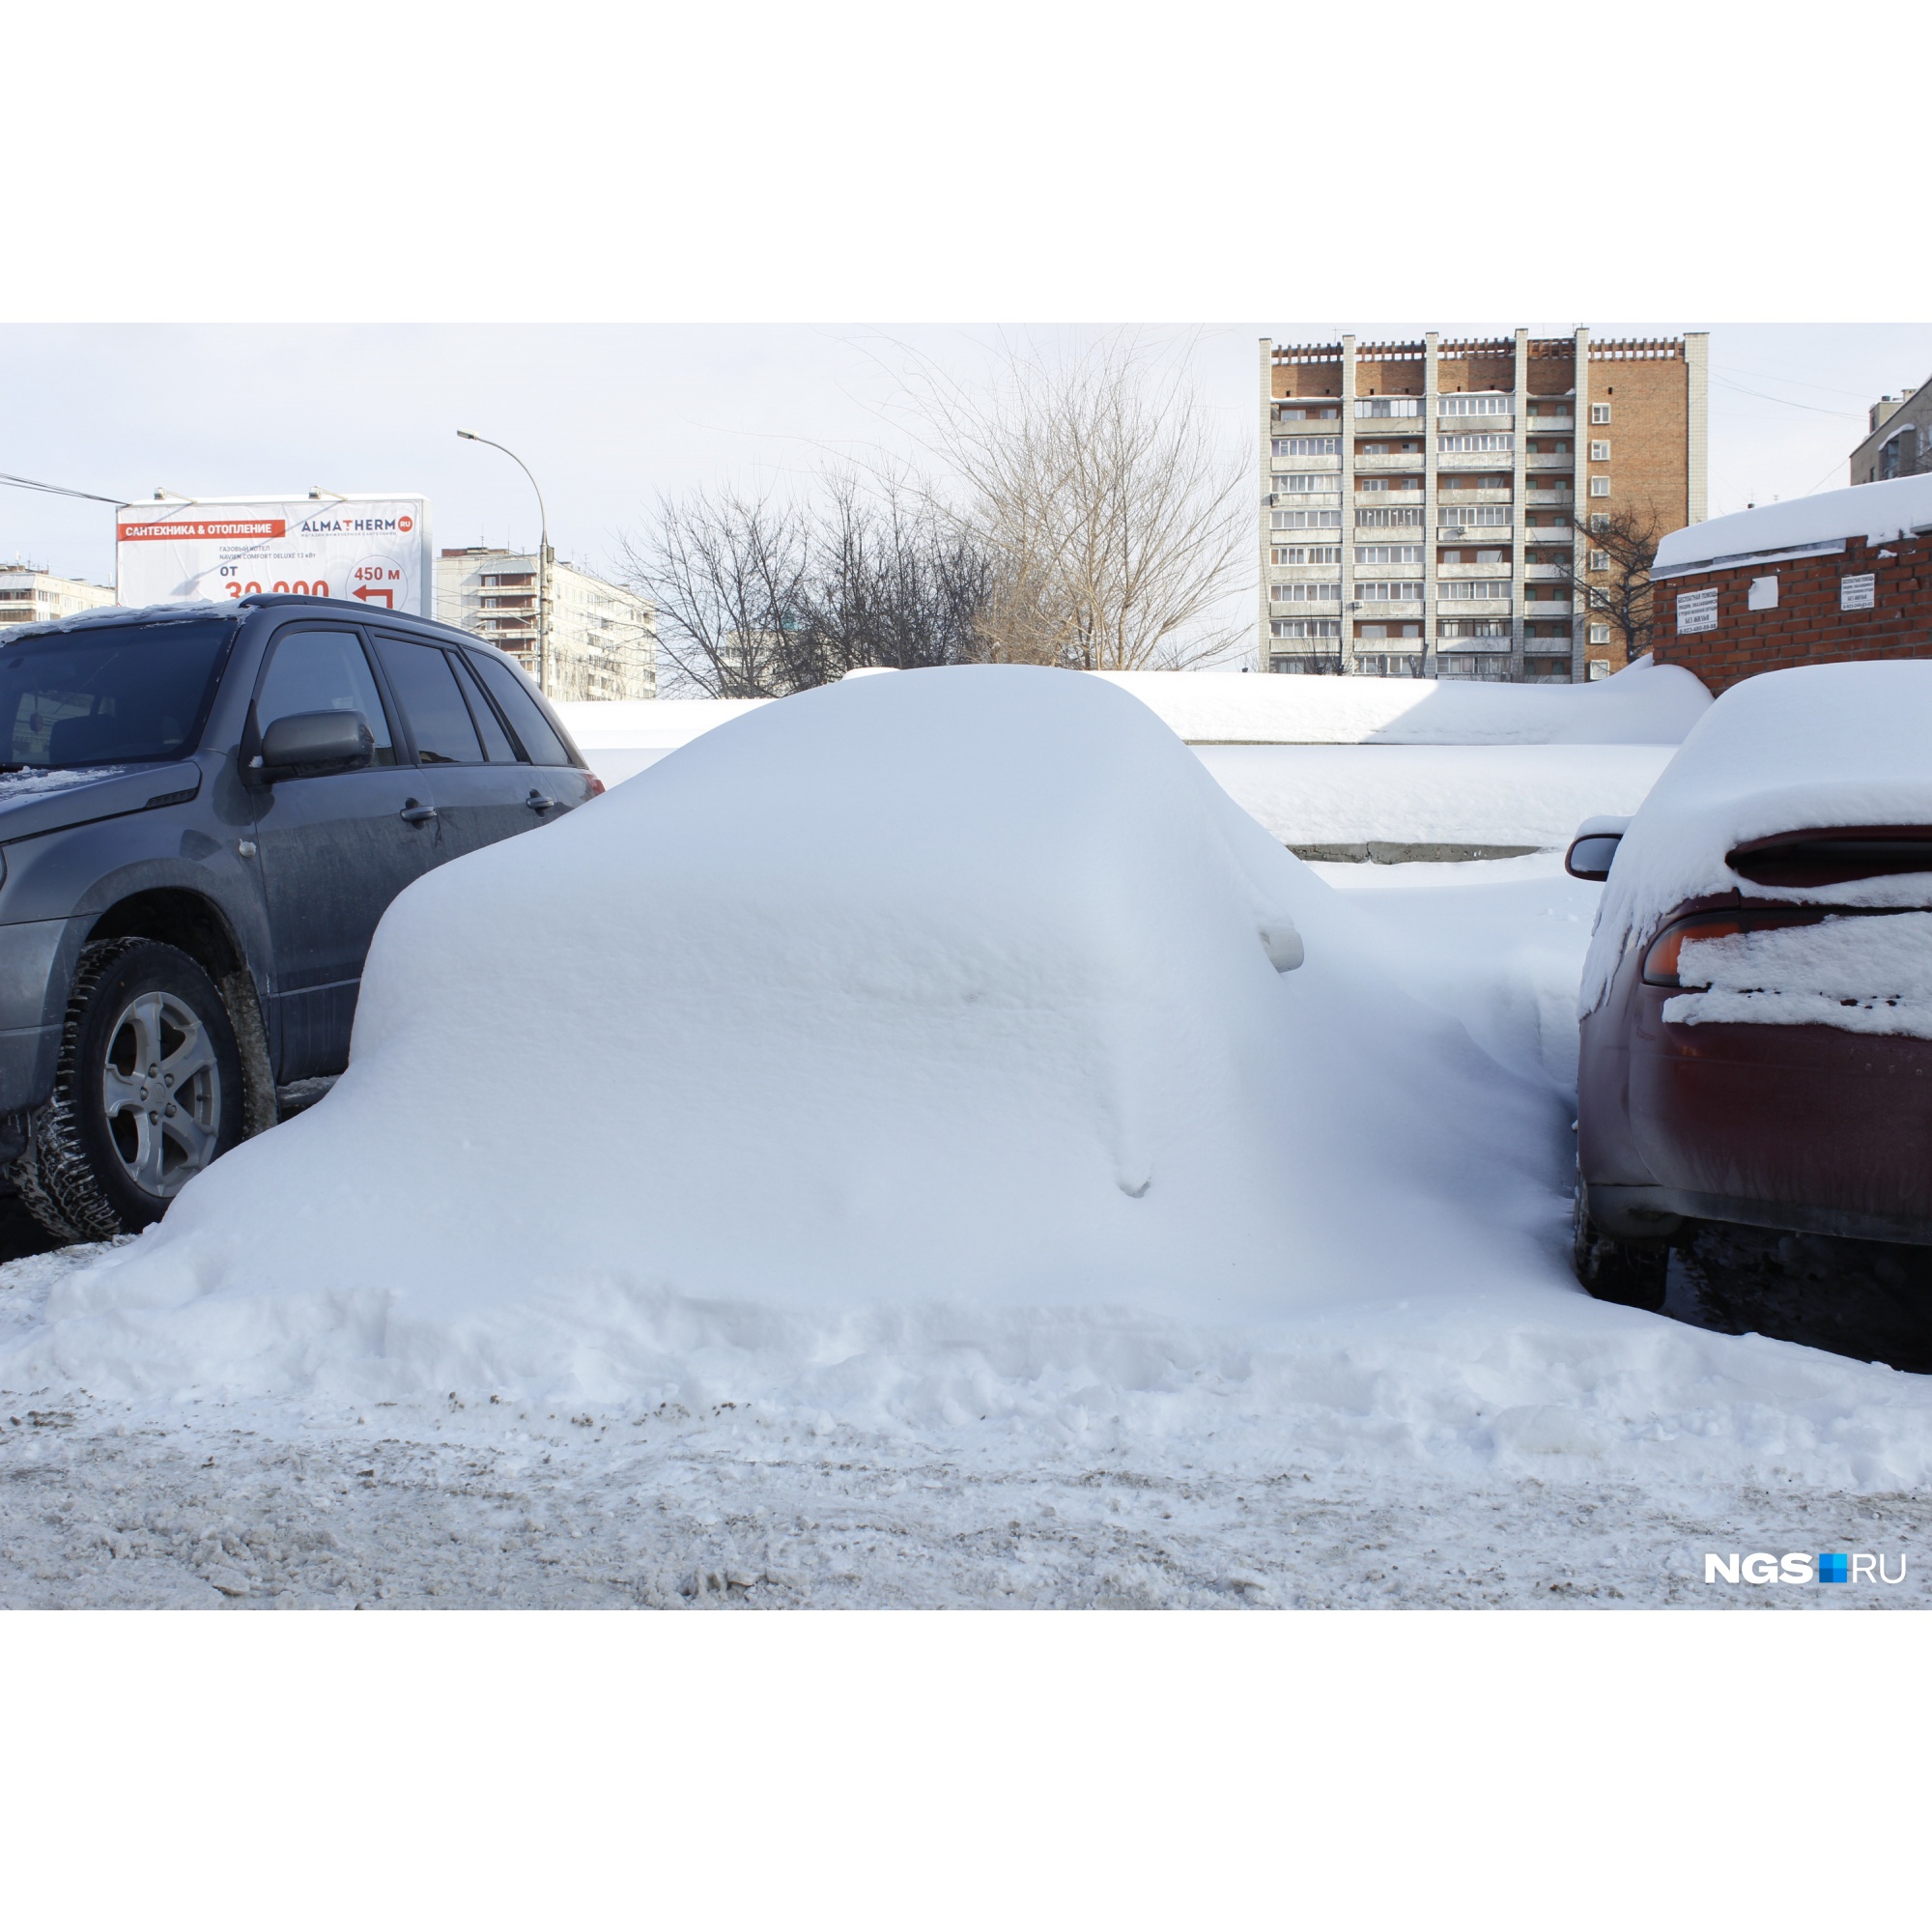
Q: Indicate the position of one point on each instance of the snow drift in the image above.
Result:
(1644, 704)
(958, 989)
(1787, 751)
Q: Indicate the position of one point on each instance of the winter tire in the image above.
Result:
(148, 1092)
(1630, 1274)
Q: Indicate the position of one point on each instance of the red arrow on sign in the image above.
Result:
(388, 597)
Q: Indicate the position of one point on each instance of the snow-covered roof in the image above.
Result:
(116, 613)
(1878, 512)
(1787, 751)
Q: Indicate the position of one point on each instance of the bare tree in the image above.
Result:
(891, 582)
(757, 599)
(1613, 587)
(728, 578)
(1113, 510)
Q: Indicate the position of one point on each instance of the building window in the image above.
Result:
(1476, 590)
(1599, 485)
(1385, 553)
(1307, 446)
(1306, 412)
(1476, 516)
(1305, 593)
(1600, 452)
(1600, 559)
(1599, 634)
(1473, 406)
(1598, 523)
(1307, 629)
(1306, 554)
(1307, 485)
(1599, 412)
(1387, 593)
(1451, 446)
(1472, 627)
(1389, 405)
(1304, 520)
(1387, 520)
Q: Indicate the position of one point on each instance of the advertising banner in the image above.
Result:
(372, 548)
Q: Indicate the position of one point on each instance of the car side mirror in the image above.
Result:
(1589, 857)
(309, 739)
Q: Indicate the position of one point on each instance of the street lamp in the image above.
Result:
(543, 558)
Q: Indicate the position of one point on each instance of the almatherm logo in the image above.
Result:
(1863, 1566)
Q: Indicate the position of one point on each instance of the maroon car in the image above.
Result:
(1757, 1010)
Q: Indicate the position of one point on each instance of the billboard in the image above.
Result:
(373, 549)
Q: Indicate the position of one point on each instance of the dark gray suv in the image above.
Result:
(203, 811)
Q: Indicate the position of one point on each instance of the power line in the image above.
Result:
(60, 490)
(1851, 416)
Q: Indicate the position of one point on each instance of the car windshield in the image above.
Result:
(111, 695)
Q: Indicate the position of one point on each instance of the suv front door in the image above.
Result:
(333, 849)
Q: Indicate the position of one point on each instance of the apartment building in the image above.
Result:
(1899, 439)
(32, 596)
(603, 639)
(1420, 500)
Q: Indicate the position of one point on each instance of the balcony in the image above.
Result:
(1544, 460)
(1453, 499)
(1398, 485)
(1544, 573)
(1549, 425)
(1381, 612)
(1451, 573)
(1539, 492)
(1536, 607)
(1408, 459)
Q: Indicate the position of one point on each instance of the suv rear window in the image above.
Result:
(119, 694)
(520, 706)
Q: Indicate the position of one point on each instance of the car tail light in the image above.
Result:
(596, 785)
(1659, 960)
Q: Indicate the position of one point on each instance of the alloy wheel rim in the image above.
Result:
(161, 1089)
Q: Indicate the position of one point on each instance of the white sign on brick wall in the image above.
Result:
(1854, 593)
(1763, 594)
(1696, 610)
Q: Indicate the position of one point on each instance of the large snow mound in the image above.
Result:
(953, 989)
(1787, 751)
(1877, 512)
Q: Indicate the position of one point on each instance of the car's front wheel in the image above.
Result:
(148, 1092)
(1632, 1273)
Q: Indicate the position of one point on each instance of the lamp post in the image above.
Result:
(543, 558)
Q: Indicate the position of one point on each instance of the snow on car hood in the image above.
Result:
(956, 989)
(1786, 750)
(37, 802)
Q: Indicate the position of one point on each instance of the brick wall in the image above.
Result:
(1807, 626)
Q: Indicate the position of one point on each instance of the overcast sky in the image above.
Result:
(609, 416)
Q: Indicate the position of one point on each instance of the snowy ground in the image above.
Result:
(232, 1504)
(1553, 1454)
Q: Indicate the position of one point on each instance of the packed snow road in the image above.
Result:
(450, 1503)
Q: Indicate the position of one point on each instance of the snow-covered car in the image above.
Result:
(205, 810)
(1757, 1001)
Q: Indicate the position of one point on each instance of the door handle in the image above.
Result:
(413, 814)
(539, 803)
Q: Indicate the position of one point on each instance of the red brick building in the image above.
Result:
(1822, 580)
